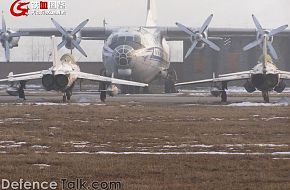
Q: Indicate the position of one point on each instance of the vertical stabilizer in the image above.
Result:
(151, 20)
(54, 51)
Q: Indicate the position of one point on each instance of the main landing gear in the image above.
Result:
(224, 96)
(67, 95)
(266, 97)
(169, 86)
(21, 92)
(103, 94)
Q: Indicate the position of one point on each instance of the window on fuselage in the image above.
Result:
(133, 41)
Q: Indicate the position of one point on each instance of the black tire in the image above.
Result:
(224, 96)
(64, 98)
(266, 97)
(169, 86)
(68, 94)
(103, 96)
(102, 88)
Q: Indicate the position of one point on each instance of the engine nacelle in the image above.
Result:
(215, 91)
(113, 90)
(249, 87)
(280, 87)
(13, 41)
(76, 37)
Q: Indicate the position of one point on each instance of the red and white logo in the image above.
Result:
(19, 8)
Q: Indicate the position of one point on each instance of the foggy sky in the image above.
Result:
(227, 13)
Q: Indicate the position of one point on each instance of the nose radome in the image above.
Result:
(123, 55)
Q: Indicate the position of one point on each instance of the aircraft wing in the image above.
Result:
(23, 77)
(99, 78)
(221, 78)
(95, 33)
(284, 75)
(176, 34)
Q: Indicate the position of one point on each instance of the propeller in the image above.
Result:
(69, 38)
(198, 36)
(5, 38)
(262, 34)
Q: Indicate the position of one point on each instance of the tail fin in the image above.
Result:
(151, 20)
(54, 52)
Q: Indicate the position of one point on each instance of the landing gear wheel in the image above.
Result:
(68, 94)
(224, 96)
(64, 98)
(170, 82)
(103, 94)
(169, 86)
(21, 92)
(266, 97)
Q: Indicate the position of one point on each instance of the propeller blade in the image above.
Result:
(258, 25)
(80, 27)
(76, 45)
(63, 43)
(59, 27)
(191, 49)
(185, 29)
(272, 51)
(277, 30)
(211, 44)
(253, 44)
(206, 24)
(4, 28)
(7, 51)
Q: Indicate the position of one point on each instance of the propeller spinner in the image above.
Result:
(198, 36)
(265, 34)
(69, 38)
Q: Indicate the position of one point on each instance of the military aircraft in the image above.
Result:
(140, 54)
(265, 76)
(61, 77)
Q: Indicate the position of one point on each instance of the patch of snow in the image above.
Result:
(217, 119)
(272, 118)
(40, 147)
(42, 165)
(252, 104)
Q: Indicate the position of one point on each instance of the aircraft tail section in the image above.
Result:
(54, 52)
(151, 20)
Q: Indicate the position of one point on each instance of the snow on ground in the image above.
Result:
(282, 102)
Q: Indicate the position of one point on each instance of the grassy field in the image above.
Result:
(148, 146)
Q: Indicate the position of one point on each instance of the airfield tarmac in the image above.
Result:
(177, 141)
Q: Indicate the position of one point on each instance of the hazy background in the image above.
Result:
(227, 13)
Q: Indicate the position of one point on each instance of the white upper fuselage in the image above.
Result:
(137, 54)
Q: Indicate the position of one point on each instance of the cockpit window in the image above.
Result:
(132, 40)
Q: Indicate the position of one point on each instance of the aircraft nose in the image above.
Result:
(123, 55)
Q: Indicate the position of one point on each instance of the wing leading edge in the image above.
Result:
(222, 78)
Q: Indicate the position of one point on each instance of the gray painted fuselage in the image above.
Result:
(139, 54)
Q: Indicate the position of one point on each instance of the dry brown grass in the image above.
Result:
(135, 127)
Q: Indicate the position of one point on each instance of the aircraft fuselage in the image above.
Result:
(137, 54)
